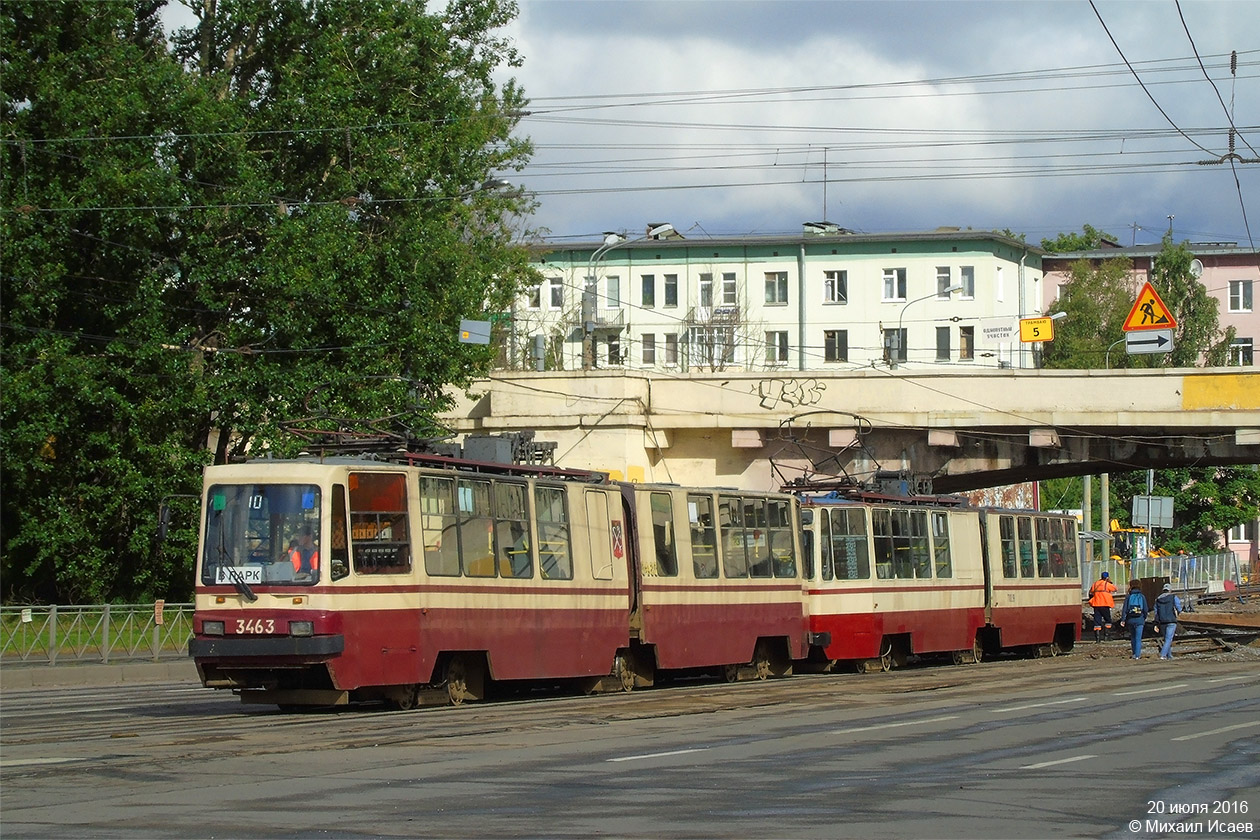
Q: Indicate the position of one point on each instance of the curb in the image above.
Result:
(28, 676)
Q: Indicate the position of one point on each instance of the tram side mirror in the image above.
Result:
(164, 522)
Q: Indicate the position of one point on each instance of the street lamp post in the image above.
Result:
(590, 291)
(892, 361)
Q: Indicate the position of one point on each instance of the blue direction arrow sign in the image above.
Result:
(1148, 341)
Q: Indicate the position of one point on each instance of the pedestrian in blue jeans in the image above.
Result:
(1167, 608)
(1133, 616)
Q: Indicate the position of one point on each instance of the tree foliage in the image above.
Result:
(276, 219)
(1089, 239)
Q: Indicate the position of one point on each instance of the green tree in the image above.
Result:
(275, 224)
(1198, 334)
(1089, 239)
(1207, 503)
(1096, 299)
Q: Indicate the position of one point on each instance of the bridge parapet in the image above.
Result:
(948, 423)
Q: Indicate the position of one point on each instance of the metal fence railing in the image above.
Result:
(1185, 572)
(95, 633)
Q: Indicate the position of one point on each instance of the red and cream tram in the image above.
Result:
(337, 580)
(890, 576)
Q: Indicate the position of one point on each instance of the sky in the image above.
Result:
(735, 117)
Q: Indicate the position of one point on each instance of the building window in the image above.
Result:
(776, 347)
(1240, 352)
(649, 289)
(614, 350)
(776, 287)
(649, 348)
(671, 289)
(557, 294)
(1246, 532)
(671, 348)
(836, 345)
(835, 287)
(966, 343)
(942, 344)
(1239, 295)
(728, 289)
(967, 277)
(894, 284)
(712, 345)
(535, 297)
(706, 290)
(942, 282)
(614, 292)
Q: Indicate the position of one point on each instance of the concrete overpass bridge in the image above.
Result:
(954, 429)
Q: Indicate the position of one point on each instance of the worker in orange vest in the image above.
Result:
(305, 556)
(1101, 598)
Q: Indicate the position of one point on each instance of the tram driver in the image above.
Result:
(304, 555)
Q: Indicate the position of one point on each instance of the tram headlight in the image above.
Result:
(212, 628)
(301, 628)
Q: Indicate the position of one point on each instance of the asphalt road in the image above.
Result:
(1076, 746)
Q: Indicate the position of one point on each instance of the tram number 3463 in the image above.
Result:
(255, 625)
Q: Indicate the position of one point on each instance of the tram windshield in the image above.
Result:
(258, 534)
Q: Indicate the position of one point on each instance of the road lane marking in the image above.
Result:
(894, 725)
(1071, 760)
(1039, 705)
(1218, 731)
(26, 762)
(658, 755)
(1231, 679)
(1149, 690)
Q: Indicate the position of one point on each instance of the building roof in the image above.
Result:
(813, 233)
(1199, 249)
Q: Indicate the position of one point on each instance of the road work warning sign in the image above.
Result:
(1149, 312)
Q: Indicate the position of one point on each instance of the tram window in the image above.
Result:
(439, 526)
(940, 544)
(1058, 548)
(731, 528)
(1006, 530)
(379, 533)
(882, 530)
(848, 536)
(1070, 560)
(666, 556)
(476, 527)
(555, 558)
(703, 537)
(920, 546)
(1043, 546)
(251, 532)
(757, 539)
(511, 527)
(826, 543)
(339, 554)
(779, 527)
(807, 554)
(903, 565)
(1025, 546)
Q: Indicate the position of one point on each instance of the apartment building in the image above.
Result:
(826, 298)
(1229, 273)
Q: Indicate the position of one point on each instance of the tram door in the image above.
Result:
(606, 537)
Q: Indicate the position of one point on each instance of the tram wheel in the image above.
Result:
(886, 654)
(761, 661)
(463, 679)
(623, 671)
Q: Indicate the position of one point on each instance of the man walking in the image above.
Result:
(1101, 598)
(1167, 608)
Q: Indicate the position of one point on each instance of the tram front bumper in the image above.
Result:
(266, 647)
